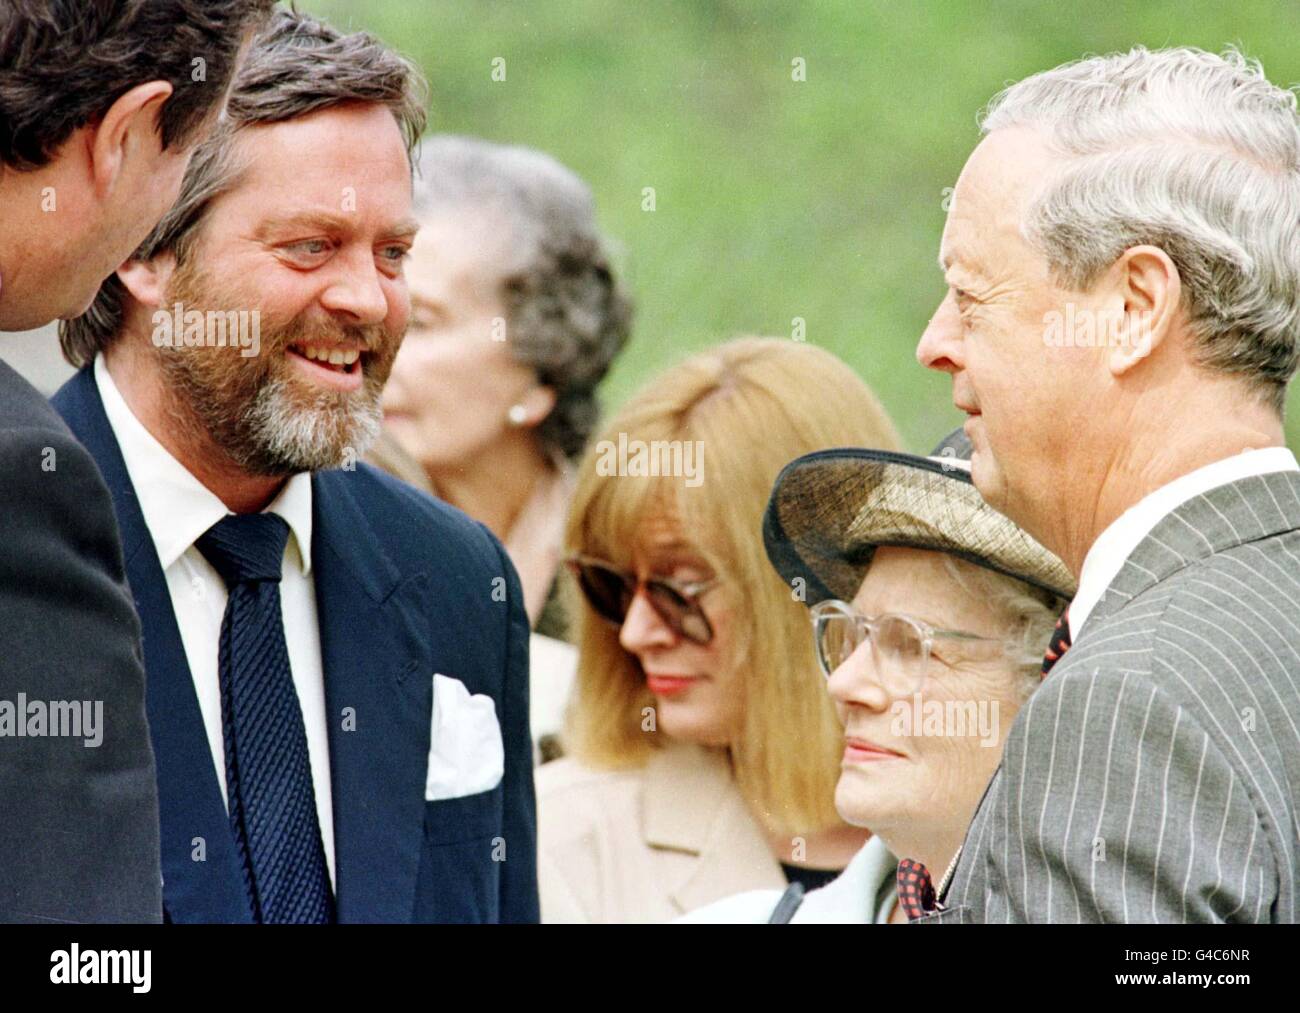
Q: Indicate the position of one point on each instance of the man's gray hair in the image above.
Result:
(567, 316)
(296, 66)
(1196, 154)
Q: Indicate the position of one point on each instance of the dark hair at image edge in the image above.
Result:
(63, 63)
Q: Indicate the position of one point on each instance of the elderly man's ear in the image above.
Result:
(1151, 290)
(147, 280)
(122, 147)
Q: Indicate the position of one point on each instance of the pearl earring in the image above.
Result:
(517, 415)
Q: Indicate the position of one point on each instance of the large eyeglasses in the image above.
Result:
(900, 645)
(610, 591)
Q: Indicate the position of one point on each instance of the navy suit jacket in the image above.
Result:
(406, 587)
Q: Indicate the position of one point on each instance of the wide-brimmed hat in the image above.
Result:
(830, 510)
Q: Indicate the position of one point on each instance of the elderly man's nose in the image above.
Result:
(941, 346)
(643, 628)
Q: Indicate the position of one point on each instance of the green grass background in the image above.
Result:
(777, 199)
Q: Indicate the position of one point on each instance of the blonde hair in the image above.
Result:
(753, 405)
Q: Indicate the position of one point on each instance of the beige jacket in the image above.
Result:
(648, 844)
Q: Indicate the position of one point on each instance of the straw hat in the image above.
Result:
(830, 509)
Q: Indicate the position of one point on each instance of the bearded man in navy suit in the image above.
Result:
(337, 663)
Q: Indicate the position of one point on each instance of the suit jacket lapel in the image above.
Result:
(378, 665)
(691, 804)
(202, 879)
(1229, 515)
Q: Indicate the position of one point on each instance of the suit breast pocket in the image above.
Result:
(464, 849)
(468, 817)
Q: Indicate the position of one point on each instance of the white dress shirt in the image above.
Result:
(178, 509)
(1114, 545)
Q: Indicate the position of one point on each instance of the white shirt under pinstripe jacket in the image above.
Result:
(1155, 776)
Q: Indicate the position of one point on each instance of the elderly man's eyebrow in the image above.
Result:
(955, 264)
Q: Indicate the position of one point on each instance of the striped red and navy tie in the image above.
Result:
(1059, 644)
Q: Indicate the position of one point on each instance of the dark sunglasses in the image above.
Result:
(610, 591)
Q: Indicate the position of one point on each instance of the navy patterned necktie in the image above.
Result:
(268, 772)
(1060, 642)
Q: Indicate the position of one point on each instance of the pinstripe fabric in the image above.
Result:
(1155, 775)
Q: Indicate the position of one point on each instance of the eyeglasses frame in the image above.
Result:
(928, 634)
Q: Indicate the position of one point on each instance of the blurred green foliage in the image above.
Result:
(777, 199)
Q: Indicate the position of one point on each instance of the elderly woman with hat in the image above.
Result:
(931, 612)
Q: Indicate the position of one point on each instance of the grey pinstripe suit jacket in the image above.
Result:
(1155, 775)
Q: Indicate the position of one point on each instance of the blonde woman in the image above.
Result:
(702, 754)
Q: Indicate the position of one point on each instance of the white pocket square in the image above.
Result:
(466, 754)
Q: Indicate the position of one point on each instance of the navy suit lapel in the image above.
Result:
(202, 881)
(378, 665)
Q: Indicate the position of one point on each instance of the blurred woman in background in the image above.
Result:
(516, 317)
(702, 753)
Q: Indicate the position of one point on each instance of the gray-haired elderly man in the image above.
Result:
(1123, 263)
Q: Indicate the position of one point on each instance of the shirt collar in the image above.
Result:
(1114, 545)
(176, 506)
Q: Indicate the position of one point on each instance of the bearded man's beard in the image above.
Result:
(269, 420)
